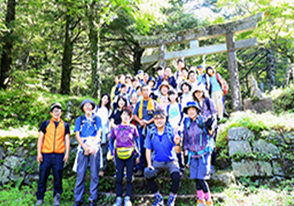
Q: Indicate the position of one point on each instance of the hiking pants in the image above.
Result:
(82, 164)
(129, 164)
(54, 161)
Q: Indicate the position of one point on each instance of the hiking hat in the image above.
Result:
(151, 79)
(55, 105)
(149, 172)
(187, 83)
(200, 66)
(85, 102)
(191, 104)
(164, 83)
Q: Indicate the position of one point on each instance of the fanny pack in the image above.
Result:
(124, 152)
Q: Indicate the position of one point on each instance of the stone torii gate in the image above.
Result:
(195, 35)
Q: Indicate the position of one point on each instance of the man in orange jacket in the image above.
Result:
(53, 152)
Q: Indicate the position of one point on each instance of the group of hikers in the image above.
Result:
(147, 125)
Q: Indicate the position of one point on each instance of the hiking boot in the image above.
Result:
(171, 201)
(158, 200)
(200, 202)
(39, 202)
(209, 202)
(118, 202)
(127, 201)
(77, 204)
(92, 203)
(56, 200)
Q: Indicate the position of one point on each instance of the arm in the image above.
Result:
(148, 157)
(39, 146)
(67, 148)
(80, 141)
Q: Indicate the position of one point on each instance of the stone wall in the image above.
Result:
(262, 155)
(18, 162)
(268, 154)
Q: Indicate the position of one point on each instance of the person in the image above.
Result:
(192, 79)
(129, 84)
(112, 92)
(126, 155)
(162, 139)
(121, 81)
(203, 78)
(186, 95)
(209, 113)
(152, 83)
(159, 77)
(123, 92)
(88, 135)
(178, 73)
(140, 76)
(216, 90)
(198, 145)
(146, 78)
(174, 113)
(103, 111)
(170, 78)
(115, 117)
(53, 141)
(162, 99)
(143, 115)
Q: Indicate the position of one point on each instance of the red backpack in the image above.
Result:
(224, 83)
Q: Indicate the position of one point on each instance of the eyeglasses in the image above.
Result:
(159, 117)
(56, 110)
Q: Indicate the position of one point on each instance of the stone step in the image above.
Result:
(221, 179)
(147, 199)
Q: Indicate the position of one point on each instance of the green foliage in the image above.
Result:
(283, 99)
(30, 107)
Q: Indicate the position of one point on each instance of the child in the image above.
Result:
(126, 154)
(198, 145)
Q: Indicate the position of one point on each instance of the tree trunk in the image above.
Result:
(271, 73)
(6, 57)
(67, 58)
(93, 37)
(138, 52)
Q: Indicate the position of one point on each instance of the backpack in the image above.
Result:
(84, 119)
(169, 133)
(224, 83)
(210, 142)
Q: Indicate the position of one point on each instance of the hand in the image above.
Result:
(143, 123)
(177, 139)
(65, 159)
(39, 158)
(186, 161)
(151, 167)
(87, 150)
(137, 160)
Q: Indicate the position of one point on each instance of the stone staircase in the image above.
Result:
(186, 195)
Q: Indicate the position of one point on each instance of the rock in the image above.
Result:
(15, 176)
(252, 168)
(20, 151)
(240, 133)
(225, 178)
(240, 147)
(266, 148)
(2, 153)
(260, 106)
(277, 169)
(13, 161)
(29, 179)
(4, 173)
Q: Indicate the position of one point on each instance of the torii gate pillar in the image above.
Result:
(234, 74)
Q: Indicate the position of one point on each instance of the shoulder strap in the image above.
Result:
(217, 77)
(207, 102)
(167, 109)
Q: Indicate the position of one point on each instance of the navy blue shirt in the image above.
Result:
(45, 124)
(161, 144)
(89, 129)
(147, 115)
